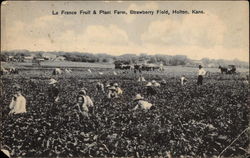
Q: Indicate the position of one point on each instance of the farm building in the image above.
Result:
(59, 58)
(48, 56)
(28, 58)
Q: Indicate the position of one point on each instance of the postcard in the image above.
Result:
(125, 78)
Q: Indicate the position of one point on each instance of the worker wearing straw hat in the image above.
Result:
(118, 89)
(183, 80)
(112, 93)
(201, 73)
(155, 84)
(100, 87)
(18, 102)
(88, 105)
(163, 82)
(141, 79)
(150, 89)
(141, 103)
(53, 92)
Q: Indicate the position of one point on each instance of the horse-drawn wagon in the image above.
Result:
(231, 69)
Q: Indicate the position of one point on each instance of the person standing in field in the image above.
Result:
(201, 73)
(183, 80)
(18, 102)
(53, 92)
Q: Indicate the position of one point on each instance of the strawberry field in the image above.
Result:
(185, 120)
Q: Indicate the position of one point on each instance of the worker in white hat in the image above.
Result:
(150, 89)
(100, 87)
(141, 103)
(53, 91)
(80, 108)
(149, 84)
(155, 84)
(163, 82)
(87, 105)
(183, 80)
(18, 102)
(68, 71)
(112, 93)
(141, 79)
(118, 89)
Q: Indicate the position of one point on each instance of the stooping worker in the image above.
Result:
(155, 84)
(118, 89)
(201, 73)
(53, 92)
(88, 105)
(112, 92)
(68, 71)
(183, 80)
(141, 103)
(163, 82)
(18, 102)
(150, 89)
(108, 85)
(141, 79)
(100, 87)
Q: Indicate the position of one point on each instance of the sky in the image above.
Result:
(222, 32)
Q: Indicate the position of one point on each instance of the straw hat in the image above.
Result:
(112, 88)
(138, 97)
(149, 84)
(52, 81)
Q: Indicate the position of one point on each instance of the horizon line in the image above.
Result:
(137, 54)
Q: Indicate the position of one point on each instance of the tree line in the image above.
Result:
(166, 60)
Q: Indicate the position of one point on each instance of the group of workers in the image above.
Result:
(84, 104)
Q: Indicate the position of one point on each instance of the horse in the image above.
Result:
(223, 69)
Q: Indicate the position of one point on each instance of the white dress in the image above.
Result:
(18, 105)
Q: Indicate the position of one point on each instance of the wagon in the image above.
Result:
(122, 65)
(231, 69)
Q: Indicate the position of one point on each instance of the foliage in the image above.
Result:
(186, 120)
(130, 58)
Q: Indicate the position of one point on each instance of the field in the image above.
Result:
(186, 120)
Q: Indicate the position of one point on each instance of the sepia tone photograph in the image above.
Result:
(125, 79)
